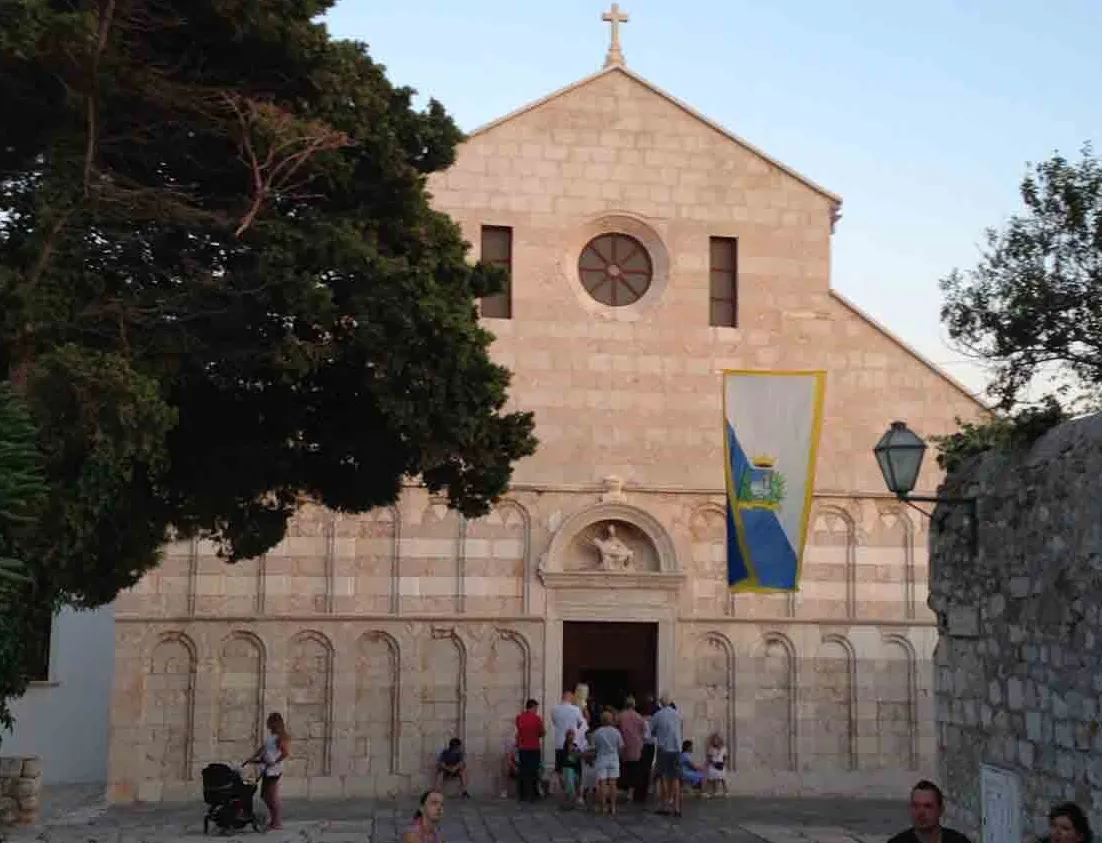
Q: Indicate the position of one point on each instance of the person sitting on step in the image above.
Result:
(452, 764)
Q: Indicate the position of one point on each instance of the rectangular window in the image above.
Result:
(36, 654)
(497, 249)
(723, 286)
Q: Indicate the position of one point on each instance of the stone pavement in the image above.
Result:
(734, 820)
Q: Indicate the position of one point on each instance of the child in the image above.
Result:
(716, 772)
(571, 770)
(691, 773)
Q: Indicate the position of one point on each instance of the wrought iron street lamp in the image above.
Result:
(899, 454)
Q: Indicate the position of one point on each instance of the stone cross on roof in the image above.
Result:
(615, 17)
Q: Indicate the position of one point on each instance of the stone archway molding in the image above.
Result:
(668, 576)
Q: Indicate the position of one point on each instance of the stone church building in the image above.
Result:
(649, 250)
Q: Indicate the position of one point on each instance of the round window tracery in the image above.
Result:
(615, 269)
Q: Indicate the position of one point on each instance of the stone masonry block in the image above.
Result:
(10, 767)
(26, 787)
(32, 768)
(325, 787)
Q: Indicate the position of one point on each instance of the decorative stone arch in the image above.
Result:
(720, 511)
(395, 596)
(394, 652)
(240, 634)
(243, 634)
(792, 709)
(709, 507)
(910, 533)
(152, 642)
(526, 550)
(851, 703)
(448, 633)
(724, 643)
(911, 658)
(850, 564)
(321, 638)
(618, 222)
(503, 634)
(192, 575)
(152, 646)
(642, 520)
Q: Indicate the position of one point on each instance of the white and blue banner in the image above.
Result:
(772, 423)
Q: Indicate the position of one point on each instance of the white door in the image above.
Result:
(1000, 805)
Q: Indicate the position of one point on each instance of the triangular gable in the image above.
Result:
(822, 191)
(692, 112)
(915, 354)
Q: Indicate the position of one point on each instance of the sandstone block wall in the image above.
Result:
(1017, 665)
(20, 790)
(451, 638)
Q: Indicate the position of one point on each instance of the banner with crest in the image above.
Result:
(772, 424)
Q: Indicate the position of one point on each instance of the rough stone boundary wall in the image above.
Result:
(20, 789)
(1018, 674)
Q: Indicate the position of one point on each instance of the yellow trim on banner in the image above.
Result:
(751, 585)
(812, 466)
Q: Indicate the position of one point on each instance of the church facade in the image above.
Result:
(649, 250)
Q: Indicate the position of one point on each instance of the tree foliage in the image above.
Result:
(1032, 307)
(1004, 432)
(222, 288)
(23, 490)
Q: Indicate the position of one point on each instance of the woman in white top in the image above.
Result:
(608, 743)
(271, 755)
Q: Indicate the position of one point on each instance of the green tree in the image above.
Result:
(1032, 307)
(22, 492)
(222, 288)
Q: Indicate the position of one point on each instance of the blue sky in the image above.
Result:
(922, 116)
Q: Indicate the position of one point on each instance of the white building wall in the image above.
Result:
(66, 720)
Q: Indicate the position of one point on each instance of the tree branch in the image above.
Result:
(293, 143)
(106, 16)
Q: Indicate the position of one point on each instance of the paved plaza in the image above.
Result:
(734, 820)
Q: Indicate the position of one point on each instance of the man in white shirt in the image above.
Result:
(564, 717)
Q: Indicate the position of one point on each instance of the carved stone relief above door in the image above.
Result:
(611, 543)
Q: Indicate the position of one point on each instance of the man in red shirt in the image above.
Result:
(530, 732)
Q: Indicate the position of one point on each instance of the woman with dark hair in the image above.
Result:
(1068, 824)
(426, 820)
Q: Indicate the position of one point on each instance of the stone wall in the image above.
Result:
(20, 790)
(1017, 665)
(825, 689)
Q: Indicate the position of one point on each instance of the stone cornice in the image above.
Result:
(610, 580)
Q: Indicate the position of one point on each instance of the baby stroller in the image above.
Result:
(230, 799)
